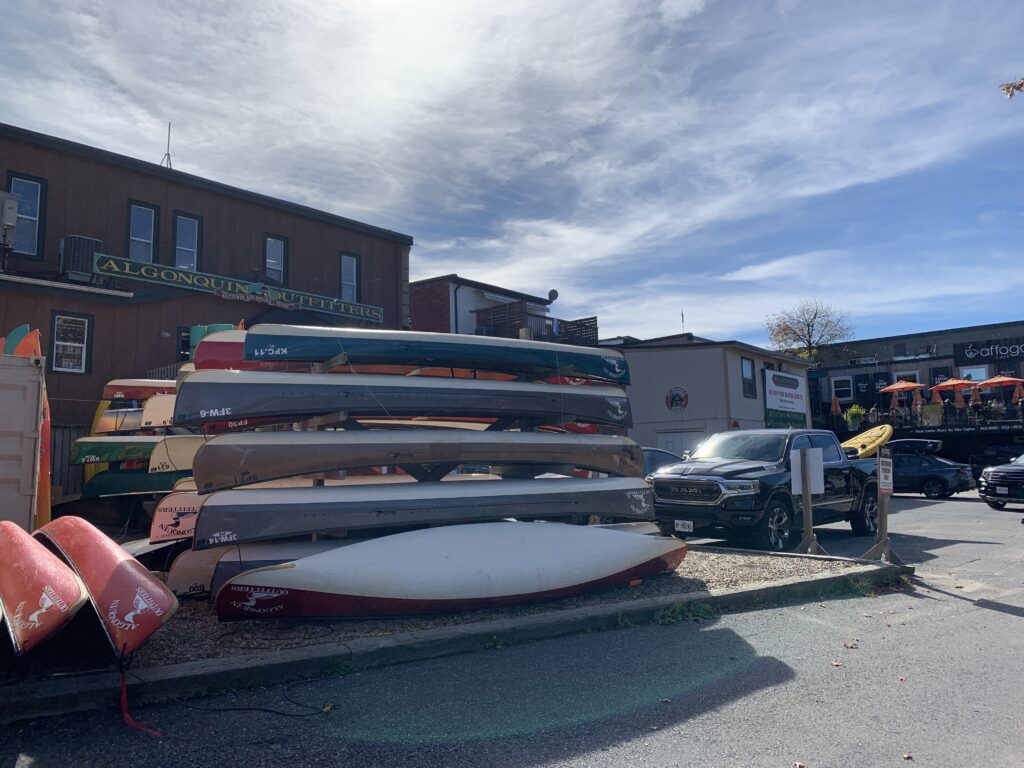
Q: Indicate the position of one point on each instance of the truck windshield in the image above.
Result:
(739, 445)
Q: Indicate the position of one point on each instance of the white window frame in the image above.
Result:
(355, 279)
(897, 376)
(752, 379)
(35, 219)
(58, 343)
(284, 257)
(961, 371)
(179, 247)
(133, 238)
(849, 380)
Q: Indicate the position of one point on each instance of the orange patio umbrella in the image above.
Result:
(958, 400)
(936, 397)
(976, 394)
(918, 399)
(902, 386)
(1018, 394)
(950, 384)
(894, 404)
(1001, 381)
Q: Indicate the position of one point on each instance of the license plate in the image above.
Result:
(684, 526)
(1000, 489)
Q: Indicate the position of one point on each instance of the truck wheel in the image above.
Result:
(775, 528)
(996, 504)
(933, 488)
(865, 520)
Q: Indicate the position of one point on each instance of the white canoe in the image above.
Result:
(158, 411)
(174, 453)
(449, 569)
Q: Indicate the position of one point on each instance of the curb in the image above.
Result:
(99, 690)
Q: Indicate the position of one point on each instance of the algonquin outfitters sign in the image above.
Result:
(233, 289)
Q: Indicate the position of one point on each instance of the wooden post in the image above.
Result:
(809, 543)
(882, 549)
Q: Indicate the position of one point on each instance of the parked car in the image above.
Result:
(935, 477)
(915, 446)
(737, 484)
(993, 455)
(1003, 484)
(655, 458)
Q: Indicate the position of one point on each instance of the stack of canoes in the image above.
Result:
(451, 402)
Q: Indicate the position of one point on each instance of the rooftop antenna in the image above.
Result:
(682, 319)
(167, 155)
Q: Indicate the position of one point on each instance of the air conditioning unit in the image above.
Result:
(863, 360)
(76, 257)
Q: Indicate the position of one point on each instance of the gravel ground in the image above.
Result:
(196, 629)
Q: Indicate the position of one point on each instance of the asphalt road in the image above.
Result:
(934, 673)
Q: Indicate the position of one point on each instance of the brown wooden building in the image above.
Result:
(113, 259)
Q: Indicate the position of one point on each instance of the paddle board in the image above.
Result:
(137, 389)
(206, 396)
(229, 461)
(867, 443)
(131, 603)
(445, 350)
(449, 569)
(229, 517)
(39, 594)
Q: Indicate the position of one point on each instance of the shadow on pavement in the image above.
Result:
(984, 602)
(523, 705)
(911, 549)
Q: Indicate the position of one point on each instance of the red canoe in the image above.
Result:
(131, 602)
(38, 593)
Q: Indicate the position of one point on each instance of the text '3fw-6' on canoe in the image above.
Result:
(538, 359)
(229, 461)
(206, 396)
(233, 517)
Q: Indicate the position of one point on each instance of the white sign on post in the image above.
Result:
(885, 471)
(816, 468)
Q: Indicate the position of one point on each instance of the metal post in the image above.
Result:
(882, 549)
(809, 543)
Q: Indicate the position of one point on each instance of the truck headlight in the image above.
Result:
(741, 487)
(986, 472)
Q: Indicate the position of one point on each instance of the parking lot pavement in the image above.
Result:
(932, 674)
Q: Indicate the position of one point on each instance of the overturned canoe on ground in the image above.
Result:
(94, 450)
(137, 389)
(449, 569)
(231, 517)
(131, 602)
(39, 594)
(228, 461)
(363, 346)
(206, 396)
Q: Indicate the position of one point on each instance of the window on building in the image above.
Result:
(749, 383)
(186, 242)
(141, 233)
(184, 343)
(70, 344)
(842, 387)
(275, 253)
(974, 373)
(349, 290)
(28, 230)
(906, 376)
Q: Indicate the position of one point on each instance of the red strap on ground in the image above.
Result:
(126, 718)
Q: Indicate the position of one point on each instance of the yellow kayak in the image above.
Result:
(868, 443)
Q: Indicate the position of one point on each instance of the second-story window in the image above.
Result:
(31, 207)
(749, 382)
(349, 277)
(141, 233)
(275, 254)
(186, 242)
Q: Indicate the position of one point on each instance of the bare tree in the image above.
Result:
(1011, 88)
(802, 329)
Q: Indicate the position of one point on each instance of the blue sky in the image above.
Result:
(723, 159)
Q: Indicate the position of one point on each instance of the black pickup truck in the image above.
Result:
(737, 484)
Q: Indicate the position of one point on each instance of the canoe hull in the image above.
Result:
(131, 603)
(367, 347)
(207, 396)
(39, 594)
(230, 461)
(231, 517)
(448, 570)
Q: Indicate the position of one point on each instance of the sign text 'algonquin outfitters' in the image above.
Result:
(232, 288)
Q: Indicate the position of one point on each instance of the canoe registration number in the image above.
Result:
(684, 526)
